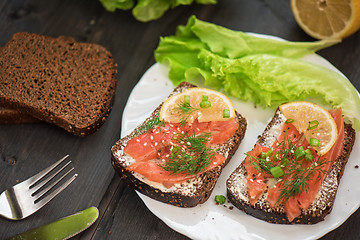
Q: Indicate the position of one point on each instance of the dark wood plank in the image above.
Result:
(120, 217)
(35, 146)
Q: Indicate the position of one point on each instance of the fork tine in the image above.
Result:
(36, 178)
(45, 200)
(48, 179)
(52, 185)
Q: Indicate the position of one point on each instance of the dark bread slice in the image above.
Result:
(237, 187)
(12, 116)
(9, 116)
(58, 80)
(187, 194)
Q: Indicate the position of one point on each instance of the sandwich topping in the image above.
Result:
(293, 168)
(182, 141)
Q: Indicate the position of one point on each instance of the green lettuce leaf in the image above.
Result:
(234, 44)
(112, 5)
(265, 71)
(148, 10)
(206, 1)
(285, 80)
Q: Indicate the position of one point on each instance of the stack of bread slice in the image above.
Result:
(57, 80)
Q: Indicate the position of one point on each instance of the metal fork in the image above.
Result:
(25, 198)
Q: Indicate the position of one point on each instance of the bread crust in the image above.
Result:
(58, 80)
(187, 194)
(317, 211)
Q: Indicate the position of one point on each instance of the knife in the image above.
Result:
(63, 228)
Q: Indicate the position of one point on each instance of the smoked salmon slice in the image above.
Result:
(152, 149)
(153, 171)
(255, 179)
(141, 148)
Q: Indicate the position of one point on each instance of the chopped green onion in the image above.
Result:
(290, 120)
(299, 153)
(226, 113)
(205, 104)
(276, 172)
(276, 157)
(269, 153)
(187, 99)
(314, 142)
(175, 149)
(220, 199)
(313, 124)
(266, 154)
(285, 162)
(308, 155)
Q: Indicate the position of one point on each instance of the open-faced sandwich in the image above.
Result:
(177, 154)
(292, 174)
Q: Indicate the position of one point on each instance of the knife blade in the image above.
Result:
(63, 228)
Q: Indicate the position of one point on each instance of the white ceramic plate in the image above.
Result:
(211, 221)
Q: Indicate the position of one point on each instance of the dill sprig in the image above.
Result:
(296, 175)
(189, 155)
(296, 179)
(261, 163)
(184, 110)
(150, 124)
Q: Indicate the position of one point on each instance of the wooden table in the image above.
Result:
(27, 148)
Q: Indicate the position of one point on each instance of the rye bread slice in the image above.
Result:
(58, 80)
(187, 194)
(12, 116)
(237, 190)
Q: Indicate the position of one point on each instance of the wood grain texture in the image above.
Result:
(27, 148)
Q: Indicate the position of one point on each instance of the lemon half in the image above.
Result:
(327, 19)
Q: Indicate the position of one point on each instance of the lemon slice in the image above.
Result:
(314, 121)
(204, 104)
(325, 19)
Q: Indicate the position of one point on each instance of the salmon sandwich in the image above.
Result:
(177, 154)
(292, 174)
